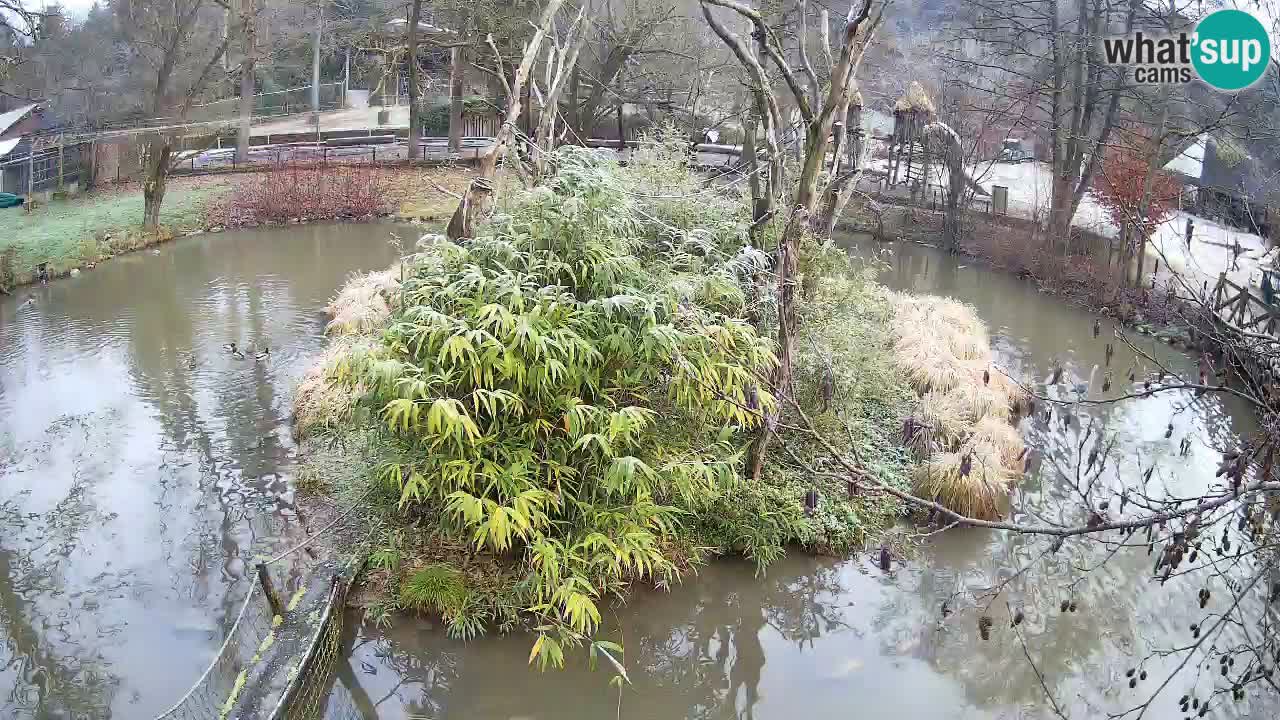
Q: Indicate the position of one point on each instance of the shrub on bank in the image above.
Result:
(561, 406)
(304, 192)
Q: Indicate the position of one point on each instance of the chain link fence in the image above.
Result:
(214, 694)
(308, 692)
(281, 652)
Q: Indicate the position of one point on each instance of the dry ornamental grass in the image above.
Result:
(972, 453)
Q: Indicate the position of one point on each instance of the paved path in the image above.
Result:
(333, 120)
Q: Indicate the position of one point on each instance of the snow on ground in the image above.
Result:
(1210, 253)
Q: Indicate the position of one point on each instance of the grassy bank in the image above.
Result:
(535, 421)
(79, 232)
(73, 233)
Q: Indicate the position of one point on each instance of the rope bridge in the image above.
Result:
(279, 657)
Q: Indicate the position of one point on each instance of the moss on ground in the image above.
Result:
(424, 199)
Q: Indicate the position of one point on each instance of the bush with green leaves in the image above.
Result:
(856, 398)
(560, 401)
(564, 404)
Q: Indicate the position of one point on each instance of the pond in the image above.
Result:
(827, 637)
(142, 466)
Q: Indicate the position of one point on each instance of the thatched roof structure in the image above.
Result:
(914, 100)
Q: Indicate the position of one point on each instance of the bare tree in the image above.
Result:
(818, 108)
(415, 101)
(621, 38)
(477, 202)
(164, 36)
(1044, 49)
(248, 12)
(457, 78)
(18, 23)
(562, 58)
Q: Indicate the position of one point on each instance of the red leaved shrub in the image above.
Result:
(304, 192)
(1119, 188)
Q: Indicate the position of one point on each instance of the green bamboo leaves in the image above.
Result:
(562, 399)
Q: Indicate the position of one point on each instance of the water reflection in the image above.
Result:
(724, 645)
(141, 466)
(835, 638)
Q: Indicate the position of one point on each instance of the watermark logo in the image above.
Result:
(1229, 51)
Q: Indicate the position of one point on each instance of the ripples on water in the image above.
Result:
(141, 466)
(820, 638)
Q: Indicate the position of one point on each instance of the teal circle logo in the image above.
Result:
(1232, 49)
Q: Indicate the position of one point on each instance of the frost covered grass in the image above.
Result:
(72, 233)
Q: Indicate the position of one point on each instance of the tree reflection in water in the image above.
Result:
(698, 652)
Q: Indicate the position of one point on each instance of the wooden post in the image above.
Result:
(622, 133)
(268, 589)
(31, 175)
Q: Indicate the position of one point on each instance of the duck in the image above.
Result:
(229, 347)
(1055, 368)
(1082, 389)
(262, 354)
(237, 354)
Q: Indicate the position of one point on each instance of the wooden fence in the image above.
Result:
(1239, 307)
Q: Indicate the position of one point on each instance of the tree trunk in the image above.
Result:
(752, 164)
(415, 123)
(457, 76)
(1144, 201)
(559, 66)
(478, 200)
(622, 132)
(574, 115)
(248, 63)
(154, 185)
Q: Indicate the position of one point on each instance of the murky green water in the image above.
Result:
(141, 466)
(819, 638)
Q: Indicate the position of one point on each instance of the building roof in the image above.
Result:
(1229, 167)
(1190, 161)
(7, 146)
(10, 118)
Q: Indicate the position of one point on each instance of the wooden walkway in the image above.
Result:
(1243, 310)
(1245, 315)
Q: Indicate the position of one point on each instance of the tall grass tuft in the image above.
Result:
(364, 303)
(966, 406)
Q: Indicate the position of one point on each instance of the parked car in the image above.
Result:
(1013, 156)
(8, 200)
